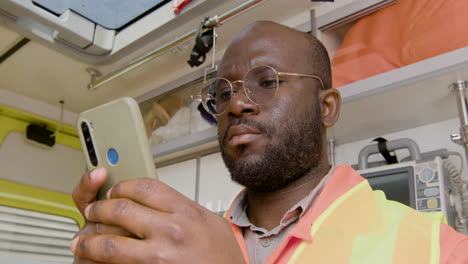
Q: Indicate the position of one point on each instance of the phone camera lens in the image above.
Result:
(84, 127)
(89, 144)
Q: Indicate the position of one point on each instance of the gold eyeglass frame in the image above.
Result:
(246, 90)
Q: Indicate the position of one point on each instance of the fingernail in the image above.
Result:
(73, 244)
(86, 211)
(108, 193)
(96, 173)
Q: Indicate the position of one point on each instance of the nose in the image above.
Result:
(240, 103)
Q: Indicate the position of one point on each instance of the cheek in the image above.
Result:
(279, 118)
(221, 127)
(287, 107)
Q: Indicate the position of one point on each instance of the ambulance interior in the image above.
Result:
(401, 75)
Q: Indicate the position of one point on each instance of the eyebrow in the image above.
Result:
(227, 76)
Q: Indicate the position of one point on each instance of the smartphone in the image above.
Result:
(113, 136)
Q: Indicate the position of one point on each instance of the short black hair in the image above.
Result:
(319, 60)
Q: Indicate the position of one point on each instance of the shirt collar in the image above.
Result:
(238, 212)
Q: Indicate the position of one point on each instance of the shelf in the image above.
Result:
(197, 144)
(401, 99)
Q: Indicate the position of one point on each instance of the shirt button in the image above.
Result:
(266, 242)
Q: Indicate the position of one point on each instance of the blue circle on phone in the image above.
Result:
(112, 156)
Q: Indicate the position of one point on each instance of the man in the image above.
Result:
(273, 104)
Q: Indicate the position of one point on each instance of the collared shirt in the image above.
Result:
(261, 242)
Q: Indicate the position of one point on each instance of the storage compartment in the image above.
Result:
(369, 41)
(385, 96)
(174, 114)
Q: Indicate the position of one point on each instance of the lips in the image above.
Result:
(241, 134)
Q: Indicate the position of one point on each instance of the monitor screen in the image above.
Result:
(397, 184)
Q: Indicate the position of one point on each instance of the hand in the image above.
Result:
(83, 195)
(169, 227)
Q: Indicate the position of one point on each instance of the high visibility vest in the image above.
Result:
(363, 227)
(350, 223)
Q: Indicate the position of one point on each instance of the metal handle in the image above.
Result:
(403, 143)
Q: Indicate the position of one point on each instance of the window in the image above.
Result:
(110, 14)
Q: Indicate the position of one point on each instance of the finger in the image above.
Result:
(129, 215)
(151, 193)
(85, 192)
(99, 228)
(110, 249)
(79, 260)
(94, 229)
(111, 230)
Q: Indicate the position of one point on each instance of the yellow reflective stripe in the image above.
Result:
(37, 199)
(299, 250)
(437, 219)
(385, 232)
(378, 247)
(296, 257)
(435, 247)
(334, 205)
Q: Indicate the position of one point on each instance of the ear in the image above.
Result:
(330, 106)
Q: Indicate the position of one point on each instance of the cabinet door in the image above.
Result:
(216, 188)
(57, 168)
(181, 176)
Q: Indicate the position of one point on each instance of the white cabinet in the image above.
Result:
(58, 168)
(216, 188)
(181, 176)
(404, 98)
(204, 179)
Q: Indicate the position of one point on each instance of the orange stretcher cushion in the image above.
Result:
(400, 34)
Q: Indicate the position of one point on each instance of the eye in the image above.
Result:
(268, 83)
(223, 94)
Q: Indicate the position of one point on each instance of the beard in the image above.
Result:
(296, 149)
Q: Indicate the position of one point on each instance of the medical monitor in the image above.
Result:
(397, 184)
(422, 185)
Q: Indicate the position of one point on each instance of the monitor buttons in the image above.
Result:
(426, 175)
(432, 203)
(431, 191)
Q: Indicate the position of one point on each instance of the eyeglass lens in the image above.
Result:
(260, 86)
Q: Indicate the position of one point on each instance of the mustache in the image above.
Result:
(249, 122)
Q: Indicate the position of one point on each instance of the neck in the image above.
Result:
(266, 209)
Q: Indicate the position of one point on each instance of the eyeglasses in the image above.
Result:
(260, 85)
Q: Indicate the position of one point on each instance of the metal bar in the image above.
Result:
(331, 149)
(197, 181)
(459, 89)
(216, 21)
(462, 139)
(17, 46)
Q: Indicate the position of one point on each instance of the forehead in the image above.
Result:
(285, 49)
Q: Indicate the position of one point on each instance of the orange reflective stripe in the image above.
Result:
(238, 233)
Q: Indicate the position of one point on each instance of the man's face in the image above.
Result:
(266, 147)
